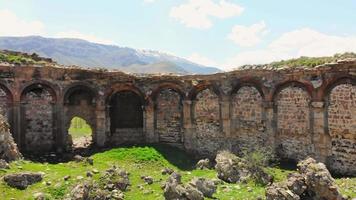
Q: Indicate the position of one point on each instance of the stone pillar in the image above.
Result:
(58, 127)
(270, 120)
(16, 114)
(100, 125)
(149, 123)
(225, 116)
(188, 127)
(321, 140)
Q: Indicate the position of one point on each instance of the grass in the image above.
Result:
(79, 128)
(140, 160)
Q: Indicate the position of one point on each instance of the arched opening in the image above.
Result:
(79, 107)
(247, 116)
(293, 123)
(126, 117)
(341, 116)
(168, 115)
(80, 133)
(207, 114)
(38, 118)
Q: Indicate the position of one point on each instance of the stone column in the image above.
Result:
(270, 120)
(188, 127)
(58, 127)
(225, 116)
(149, 124)
(100, 129)
(321, 140)
(16, 114)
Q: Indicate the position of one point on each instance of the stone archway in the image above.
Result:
(37, 116)
(126, 117)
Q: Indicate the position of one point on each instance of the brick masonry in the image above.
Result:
(282, 109)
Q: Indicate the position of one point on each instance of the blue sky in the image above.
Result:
(223, 33)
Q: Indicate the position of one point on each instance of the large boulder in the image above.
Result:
(203, 164)
(313, 182)
(22, 180)
(4, 164)
(116, 178)
(8, 148)
(206, 187)
(231, 168)
(80, 192)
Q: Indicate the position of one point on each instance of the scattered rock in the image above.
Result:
(231, 168)
(147, 179)
(89, 160)
(22, 180)
(116, 179)
(313, 182)
(78, 158)
(203, 164)
(4, 164)
(89, 174)
(95, 171)
(66, 178)
(39, 196)
(167, 171)
(80, 192)
(206, 187)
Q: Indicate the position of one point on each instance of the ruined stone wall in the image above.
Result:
(38, 108)
(299, 112)
(4, 111)
(247, 117)
(342, 124)
(169, 117)
(293, 123)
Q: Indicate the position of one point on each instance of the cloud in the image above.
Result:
(11, 25)
(293, 44)
(149, 1)
(198, 13)
(248, 36)
(199, 59)
(79, 35)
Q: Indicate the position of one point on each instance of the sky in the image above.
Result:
(221, 33)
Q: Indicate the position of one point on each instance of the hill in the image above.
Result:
(86, 54)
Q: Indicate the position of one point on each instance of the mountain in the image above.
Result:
(87, 54)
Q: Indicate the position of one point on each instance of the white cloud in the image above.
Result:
(293, 44)
(197, 58)
(149, 1)
(247, 36)
(79, 35)
(198, 13)
(11, 25)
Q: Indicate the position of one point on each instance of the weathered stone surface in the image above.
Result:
(116, 178)
(231, 168)
(313, 182)
(8, 148)
(22, 180)
(4, 164)
(203, 164)
(206, 187)
(147, 179)
(80, 192)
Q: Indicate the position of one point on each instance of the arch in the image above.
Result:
(38, 117)
(341, 80)
(341, 119)
(80, 133)
(293, 121)
(79, 86)
(120, 87)
(167, 85)
(169, 116)
(305, 86)
(206, 113)
(247, 83)
(52, 89)
(192, 95)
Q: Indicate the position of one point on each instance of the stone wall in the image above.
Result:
(293, 123)
(247, 117)
(296, 111)
(169, 117)
(4, 99)
(38, 113)
(342, 124)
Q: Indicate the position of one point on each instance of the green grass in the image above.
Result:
(140, 160)
(79, 128)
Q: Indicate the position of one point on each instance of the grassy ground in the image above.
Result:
(79, 128)
(138, 161)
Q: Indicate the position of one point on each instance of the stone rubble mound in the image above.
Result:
(8, 148)
(196, 189)
(233, 169)
(22, 180)
(312, 182)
